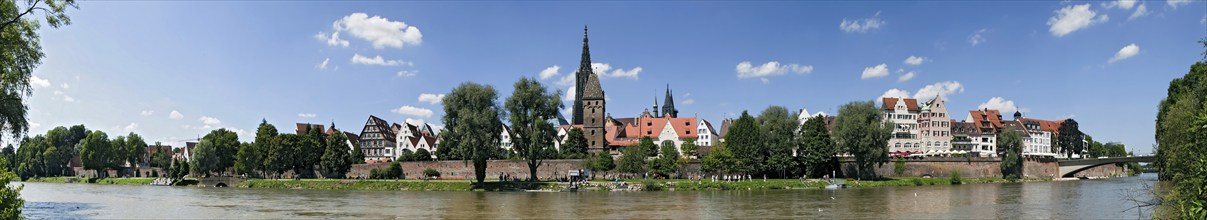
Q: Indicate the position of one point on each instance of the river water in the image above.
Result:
(1077, 199)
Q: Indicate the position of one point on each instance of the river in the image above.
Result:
(1079, 199)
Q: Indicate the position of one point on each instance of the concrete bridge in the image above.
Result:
(218, 181)
(1070, 167)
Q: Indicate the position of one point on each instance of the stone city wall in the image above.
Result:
(456, 169)
(982, 167)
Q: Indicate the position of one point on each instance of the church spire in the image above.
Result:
(580, 80)
(668, 103)
(656, 104)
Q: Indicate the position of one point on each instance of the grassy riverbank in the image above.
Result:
(396, 185)
(107, 181)
(774, 184)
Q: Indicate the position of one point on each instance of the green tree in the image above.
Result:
(406, 155)
(312, 155)
(1011, 141)
(603, 162)
(632, 161)
(266, 135)
(471, 117)
(396, 170)
(745, 141)
(98, 153)
(720, 161)
(861, 130)
(30, 160)
(422, 155)
(20, 54)
(62, 147)
(215, 152)
(1069, 139)
(357, 156)
(689, 148)
(335, 159)
(666, 163)
(575, 144)
(161, 159)
(1094, 149)
(531, 106)
(281, 157)
(647, 148)
(10, 194)
(9, 154)
(248, 160)
(135, 148)
(1181, 131)
(777, 129)
(817, 149)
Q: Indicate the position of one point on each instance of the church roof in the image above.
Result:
(592, 89)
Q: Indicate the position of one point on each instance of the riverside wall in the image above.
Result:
(456, 169)
(979, 167)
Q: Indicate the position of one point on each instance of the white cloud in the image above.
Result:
(131, 126)
(1073, 18)
(1140, 12)
(976, 37)
(1204, 21)
(605, 70)
(413, 111)
(382, 32)
(773, 68)
(146, 112)
(175, 115)
(68, 98)
(569, 95)
(38, 82)
(906, 77)
(307, 115)
(895, 93)
(1124, 4)
(1126, 52)
(408, 73)
(378, 60)
(689, 101)
(1000, 104)
(549, 72)
(58, 92)
(431, 98)
(332, 40)
(876, 71)
(1176, 3)
(940, 88)
(567, 80)
(65, 86)
(323, 65)
(207, 120)
(861, 25)
(34, 125)
(915, 60)
(414, 121)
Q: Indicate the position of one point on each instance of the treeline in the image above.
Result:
(50, 154)
(1181, 132)
(272, 153)
(775, 144)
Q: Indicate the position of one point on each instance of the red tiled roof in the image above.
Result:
(891, 103)
(993, 117)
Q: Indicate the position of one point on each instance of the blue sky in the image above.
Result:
(127, 66)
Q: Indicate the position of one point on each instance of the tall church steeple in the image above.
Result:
(668, 104)
(656, 105)
(580, 80)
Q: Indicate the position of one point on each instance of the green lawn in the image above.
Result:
(395, 185)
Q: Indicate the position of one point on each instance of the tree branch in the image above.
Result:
(27, 11)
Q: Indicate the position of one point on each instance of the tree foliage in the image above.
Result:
(720, 161)
(817, 150)
(602, 162)
(1181, 132)
(20, 54)
(335, 160)
(1070, 139)
(667, 162)
(689, 148)
(632, 160)
(745, 141)
(473, 128)
(777, 129)
(422, 155)
(531, 107)
(215, 152)
(1011, 142)
(575, 145)
(248, 160)
(861, 131)
(10, 194)
(97, 153)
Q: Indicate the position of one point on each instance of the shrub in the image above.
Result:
(429, 172)
(918, 182)
(955, 178)
(395, 171)
(650, 185)
(899, 166)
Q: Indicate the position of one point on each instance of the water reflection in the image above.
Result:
(1087, 199)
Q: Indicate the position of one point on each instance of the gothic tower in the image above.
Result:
(668, 104)
(580, 79)
(593, 117)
